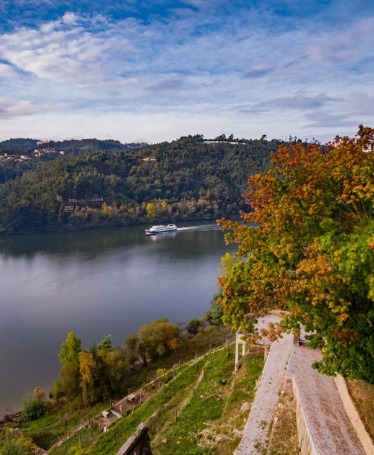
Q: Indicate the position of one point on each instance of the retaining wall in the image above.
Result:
(305, 440)
(138, 443)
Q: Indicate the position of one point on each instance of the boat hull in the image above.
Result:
(154, 230)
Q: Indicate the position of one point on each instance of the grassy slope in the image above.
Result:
(196, 410)
(196, 407)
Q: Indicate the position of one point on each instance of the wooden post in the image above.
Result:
(236, 356)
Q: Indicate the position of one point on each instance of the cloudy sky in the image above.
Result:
(155, 70)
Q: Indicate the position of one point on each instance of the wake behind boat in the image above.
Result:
(161, 228)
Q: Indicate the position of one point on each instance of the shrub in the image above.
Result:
(34, 406)
(193, 326)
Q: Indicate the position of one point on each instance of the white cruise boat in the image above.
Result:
(161, 228)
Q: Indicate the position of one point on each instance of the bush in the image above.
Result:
(18, 446)
(193, 326)
(34, 406)
(215, 312)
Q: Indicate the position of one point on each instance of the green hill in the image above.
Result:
(186, 179)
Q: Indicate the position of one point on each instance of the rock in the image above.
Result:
(246, 406)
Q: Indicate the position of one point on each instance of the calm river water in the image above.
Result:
(96, 284)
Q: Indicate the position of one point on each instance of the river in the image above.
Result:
(95, 283)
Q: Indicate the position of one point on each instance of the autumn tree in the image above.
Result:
(152, 341)
(110, 369)
(113, 371)
(307, 246)
(88, 373)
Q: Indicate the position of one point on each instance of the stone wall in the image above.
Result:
(305, 440)
(138, 443)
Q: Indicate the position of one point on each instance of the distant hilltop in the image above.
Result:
(22, 145)
(51, 186)
(79, 146)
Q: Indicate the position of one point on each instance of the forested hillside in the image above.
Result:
(183, 180)
(71, 146)
(20, 155)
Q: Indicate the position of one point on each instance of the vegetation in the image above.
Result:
(15, 444)
(47, 149)
(18, 156)
(153, 341)
(91, 375)
(186, 179)
(362, 394)
(311, 252)
(103, 372)
(34, 406)
(195, 408)
(63, 413)
(305, 245)
(283, 438)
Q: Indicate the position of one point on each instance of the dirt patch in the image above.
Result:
(130, 401)
(362, 394)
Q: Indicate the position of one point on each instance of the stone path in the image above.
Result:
(266, 399)
(324, 413)
(330, 429)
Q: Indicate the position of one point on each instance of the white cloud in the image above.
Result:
(13, 109)
(70, 18)
(346, 45)
(191, 70)
(54, 54)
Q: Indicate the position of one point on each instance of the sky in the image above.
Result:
(156, 70)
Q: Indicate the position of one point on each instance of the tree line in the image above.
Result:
(185, 179)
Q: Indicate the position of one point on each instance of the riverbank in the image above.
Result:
(95, 284)
(60, 420)
(196, 404)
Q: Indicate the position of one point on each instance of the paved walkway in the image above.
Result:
(328, 423)
(266, 399)
(331, 430)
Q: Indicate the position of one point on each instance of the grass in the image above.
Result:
(208, 422)
(85, 438)
(195, 406)
(47, 430)
(195, 410)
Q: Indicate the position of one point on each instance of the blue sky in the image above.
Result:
(137, 70)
